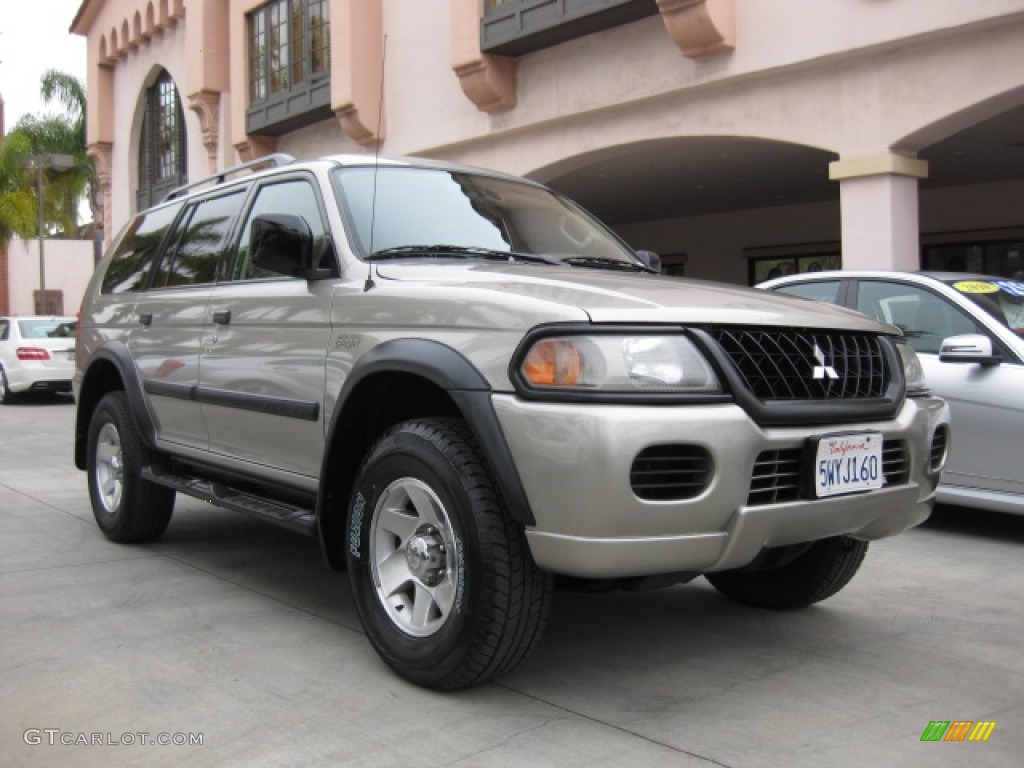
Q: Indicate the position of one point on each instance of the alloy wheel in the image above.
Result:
(413, 554)
(109, 471)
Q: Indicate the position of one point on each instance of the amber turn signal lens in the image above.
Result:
(552, 363)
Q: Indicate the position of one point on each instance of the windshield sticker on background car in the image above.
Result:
(976, 286)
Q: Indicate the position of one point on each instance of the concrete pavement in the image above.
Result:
(232, 632)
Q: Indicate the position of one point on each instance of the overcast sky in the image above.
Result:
(34, 37)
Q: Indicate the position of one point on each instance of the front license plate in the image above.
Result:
(848, 463)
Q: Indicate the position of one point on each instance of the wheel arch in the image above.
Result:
(110, 369)
(396, 381)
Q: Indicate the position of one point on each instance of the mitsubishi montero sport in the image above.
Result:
(468, 390)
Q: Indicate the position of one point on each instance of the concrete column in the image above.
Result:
(878, 201)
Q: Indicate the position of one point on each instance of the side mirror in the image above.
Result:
(283, 243)
(650, 259)
(969, 348)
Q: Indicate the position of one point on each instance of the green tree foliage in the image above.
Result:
(63, 133)
(17, 199)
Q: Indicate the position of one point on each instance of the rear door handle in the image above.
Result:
(146, 318)
(222, 316)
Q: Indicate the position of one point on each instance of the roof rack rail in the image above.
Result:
(275, 160)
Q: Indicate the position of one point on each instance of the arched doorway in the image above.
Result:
(729, 208)
(163, 160)
(971, 218)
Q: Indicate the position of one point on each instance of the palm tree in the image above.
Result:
(69, 92)
(17, 199)
(63, 134)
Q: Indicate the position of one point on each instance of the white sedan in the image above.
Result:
(37, 354)
(968, 331)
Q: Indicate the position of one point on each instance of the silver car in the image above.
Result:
(37, 354)
(465, 387)
(968, 331)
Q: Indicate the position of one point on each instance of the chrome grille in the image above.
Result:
(806, 364)
(670, 472)
(777, 473)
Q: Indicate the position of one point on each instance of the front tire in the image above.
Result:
(443, 580)
(128, 508)
(814, 575)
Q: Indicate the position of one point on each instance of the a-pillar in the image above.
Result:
(878, 203)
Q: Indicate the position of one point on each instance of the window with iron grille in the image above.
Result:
(289, 65)
(162, 154)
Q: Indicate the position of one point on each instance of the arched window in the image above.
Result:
(162, 154)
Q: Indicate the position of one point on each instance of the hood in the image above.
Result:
(625, 297)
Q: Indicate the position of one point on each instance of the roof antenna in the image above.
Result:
(376, 168)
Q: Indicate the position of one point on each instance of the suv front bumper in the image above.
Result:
(575, 460)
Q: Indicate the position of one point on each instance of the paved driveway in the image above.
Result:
(233, 633)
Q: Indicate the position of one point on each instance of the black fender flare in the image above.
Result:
(469, 390)
(116, 354)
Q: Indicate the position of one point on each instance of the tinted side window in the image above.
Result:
(295, 196)
(200, 241)
(924, 317)
(136, 250)
(4, 330)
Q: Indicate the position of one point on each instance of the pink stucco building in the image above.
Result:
(735, 137)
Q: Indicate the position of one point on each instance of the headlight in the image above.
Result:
(618, 363)
(913, 372)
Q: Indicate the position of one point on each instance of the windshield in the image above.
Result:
(1002, 299)
(417, 212)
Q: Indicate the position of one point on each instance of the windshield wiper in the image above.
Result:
(600, 262)
(457, 251)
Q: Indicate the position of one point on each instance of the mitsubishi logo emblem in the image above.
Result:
(822, 371)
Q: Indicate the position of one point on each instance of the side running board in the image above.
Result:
(289, 516)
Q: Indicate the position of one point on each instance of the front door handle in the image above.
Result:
(222, 316)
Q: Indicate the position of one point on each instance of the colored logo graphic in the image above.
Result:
(975, 286)
(958, 730)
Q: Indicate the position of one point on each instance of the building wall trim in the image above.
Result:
(879, 165)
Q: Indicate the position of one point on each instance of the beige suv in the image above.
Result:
(469, 390)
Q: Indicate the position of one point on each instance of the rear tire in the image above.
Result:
(816, 574)
(128, 508)
(6, 396)
(443, 579)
